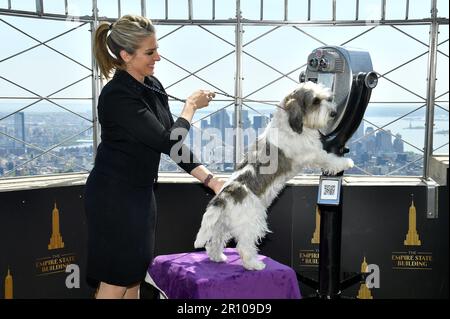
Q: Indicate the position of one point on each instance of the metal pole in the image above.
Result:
(334, 10)
(238, 87)
(330, 250)
(143, 8)
(95, 84)
(286, 10)
(407, 10)
(190, 10)
(261, 10)
(166, 9)
(309, 10)
(432, 60)
(357, 10)
(40, 7)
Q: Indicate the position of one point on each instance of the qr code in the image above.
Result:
(329, 190)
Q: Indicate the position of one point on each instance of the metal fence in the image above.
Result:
(249, 70)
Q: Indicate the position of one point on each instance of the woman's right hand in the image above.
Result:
(200, 99)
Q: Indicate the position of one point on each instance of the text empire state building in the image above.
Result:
(56, 240)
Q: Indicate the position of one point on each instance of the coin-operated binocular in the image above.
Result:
(349, 75)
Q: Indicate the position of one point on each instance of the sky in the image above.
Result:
(285, 49)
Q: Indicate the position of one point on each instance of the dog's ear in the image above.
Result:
(295, 114)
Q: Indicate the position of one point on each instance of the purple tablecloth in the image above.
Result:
(194, 276)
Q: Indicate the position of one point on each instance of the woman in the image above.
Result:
(136, 127)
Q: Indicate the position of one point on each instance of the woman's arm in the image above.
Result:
(201, 173)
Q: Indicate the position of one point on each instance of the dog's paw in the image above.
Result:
(218, 258)
(198, 244)
(349, 163)
(340, 165)
(254, 265)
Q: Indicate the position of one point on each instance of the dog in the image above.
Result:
(290, 142)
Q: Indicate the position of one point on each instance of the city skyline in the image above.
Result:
(377, 153)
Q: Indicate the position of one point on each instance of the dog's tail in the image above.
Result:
(208, 228)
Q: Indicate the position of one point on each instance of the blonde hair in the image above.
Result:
(126, 34)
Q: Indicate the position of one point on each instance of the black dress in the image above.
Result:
(119, 201)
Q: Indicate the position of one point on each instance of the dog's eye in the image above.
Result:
(316, 101)
(330, 99)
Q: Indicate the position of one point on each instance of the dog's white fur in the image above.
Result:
(293, 138)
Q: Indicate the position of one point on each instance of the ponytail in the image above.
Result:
(105, 61)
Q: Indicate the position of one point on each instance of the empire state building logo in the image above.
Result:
(56, 240)
(364, 291)
(9, 285)
(412, 237)
(316, 236)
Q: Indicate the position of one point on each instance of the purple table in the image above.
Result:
(194, 276)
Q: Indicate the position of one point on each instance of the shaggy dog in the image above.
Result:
(290, 142)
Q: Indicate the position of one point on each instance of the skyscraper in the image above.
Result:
(221, 121)
(260, 122)
(3, 139)
(358, 133)
(383, 141)
(398, 144)
(369, 141)
(245, 119)
(19, 133)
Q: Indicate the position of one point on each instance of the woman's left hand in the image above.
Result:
(216, 184)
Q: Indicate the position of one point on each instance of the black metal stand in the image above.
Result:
(329, 284)
(330, 250)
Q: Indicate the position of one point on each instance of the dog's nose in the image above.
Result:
(333, 114)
